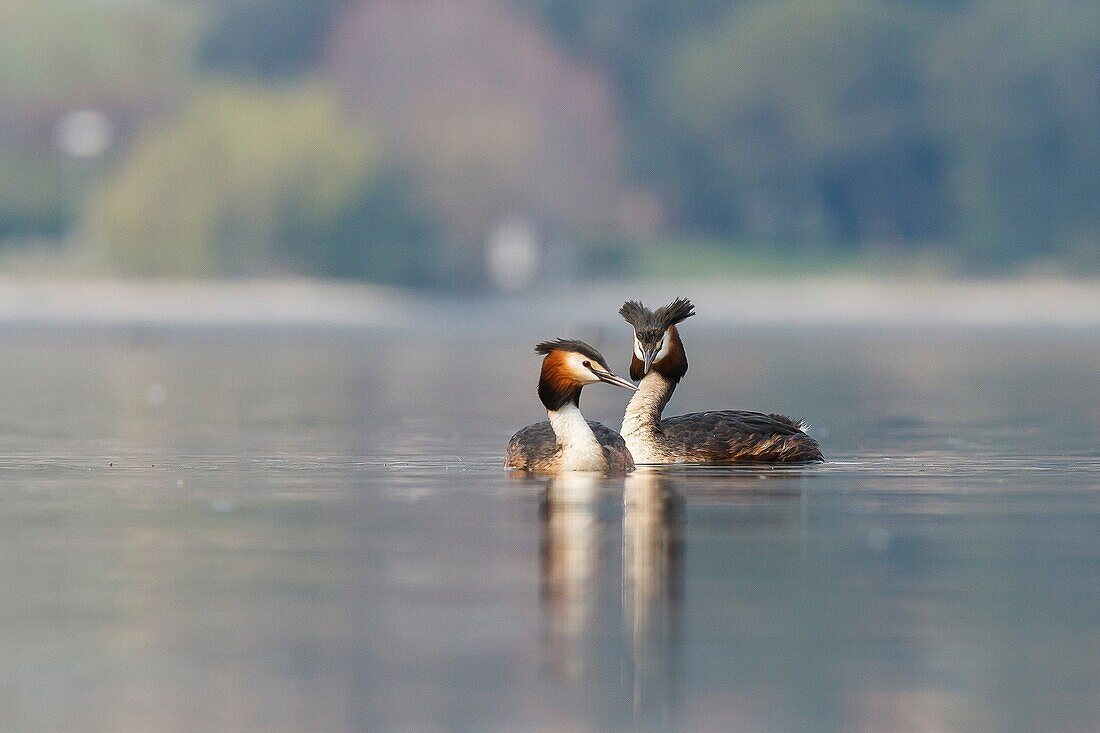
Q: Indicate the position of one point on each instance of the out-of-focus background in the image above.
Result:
(271, 271)
(469, 145)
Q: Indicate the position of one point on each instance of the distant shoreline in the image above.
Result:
(842, 301)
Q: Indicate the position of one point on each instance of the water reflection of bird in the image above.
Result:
(659, 362)
(568, 442)
(569, 557)
(651, 576)
(578, 617)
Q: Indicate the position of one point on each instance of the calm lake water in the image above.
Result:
(246, 530)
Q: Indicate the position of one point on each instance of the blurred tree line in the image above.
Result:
(968, 126)
(387, 139)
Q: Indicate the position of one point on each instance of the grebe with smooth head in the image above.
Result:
(568, 442)
(658, 363)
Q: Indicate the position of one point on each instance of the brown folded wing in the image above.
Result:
(737, 436)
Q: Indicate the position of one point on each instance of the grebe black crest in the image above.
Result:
(657, 342)
(568, 442)
(659, 362)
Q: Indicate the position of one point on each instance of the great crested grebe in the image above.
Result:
(719, 436)
(568, 442)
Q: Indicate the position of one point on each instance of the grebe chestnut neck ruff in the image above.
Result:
(658, 363)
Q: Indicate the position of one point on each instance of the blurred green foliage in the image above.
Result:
(968, 129)
(267, 38)
(60, 55)
(973, 126)
(633, 40)
(1017, 108)
(31, 201)
(386, 231)
(251, 181)
(802, 121)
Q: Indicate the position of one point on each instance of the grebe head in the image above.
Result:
(657, 344)
(570, 365)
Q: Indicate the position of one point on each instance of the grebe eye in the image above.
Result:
(587, 364)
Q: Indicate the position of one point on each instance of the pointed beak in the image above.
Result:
(618, 381)
(647, 362)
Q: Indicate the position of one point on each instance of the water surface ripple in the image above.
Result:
(282, 532)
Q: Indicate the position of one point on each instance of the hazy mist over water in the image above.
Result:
(244, 530)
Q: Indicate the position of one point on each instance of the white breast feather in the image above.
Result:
(581, 451)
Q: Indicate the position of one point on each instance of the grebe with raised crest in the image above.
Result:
(658, 363)
(568, 442)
